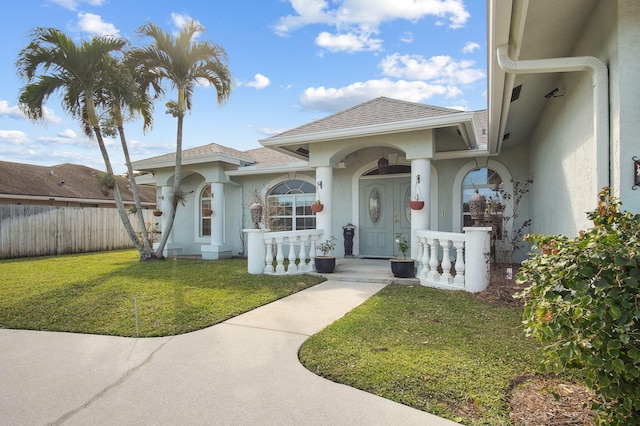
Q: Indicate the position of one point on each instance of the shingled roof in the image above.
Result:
(62, 181)
(376, 111)
(200, 151)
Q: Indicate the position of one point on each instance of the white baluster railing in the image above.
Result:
(469, 269)
(299, 247)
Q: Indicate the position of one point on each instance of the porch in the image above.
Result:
(366, 270)
(453, 261)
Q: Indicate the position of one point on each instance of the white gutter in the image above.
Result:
(600, 76)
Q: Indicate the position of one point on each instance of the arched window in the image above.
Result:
(205, 211)
(488, 183)
(290, 206)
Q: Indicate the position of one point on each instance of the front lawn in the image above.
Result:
(94, 293)
(443, 352)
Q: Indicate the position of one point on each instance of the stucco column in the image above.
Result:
(217, 215)
(324, 191)
(421, 186)
(217, 249)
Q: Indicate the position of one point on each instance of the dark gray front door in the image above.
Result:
(384, 211)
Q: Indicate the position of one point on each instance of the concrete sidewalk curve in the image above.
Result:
(240, 372)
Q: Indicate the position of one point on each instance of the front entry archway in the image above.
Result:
(384, 211)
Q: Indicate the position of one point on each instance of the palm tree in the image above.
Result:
(53, 62)
(184, 62)
(124, 95)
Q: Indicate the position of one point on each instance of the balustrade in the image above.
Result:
(299, 247)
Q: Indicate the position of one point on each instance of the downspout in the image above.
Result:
(600, 77)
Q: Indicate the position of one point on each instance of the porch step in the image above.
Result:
(376, 271)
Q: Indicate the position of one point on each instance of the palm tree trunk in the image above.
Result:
(173, 205)
(147, 253)
(116, 192)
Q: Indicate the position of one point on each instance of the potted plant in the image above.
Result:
(317, 206)
(325, 264)
(157, 213)
(402, 268)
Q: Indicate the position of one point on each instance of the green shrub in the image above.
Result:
(583, 304)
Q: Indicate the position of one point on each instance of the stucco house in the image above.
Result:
(562, 110)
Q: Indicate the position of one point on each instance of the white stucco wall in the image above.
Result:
(562, 148)
(625, 102)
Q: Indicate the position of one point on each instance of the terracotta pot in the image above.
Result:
(416, 205)
(316, 208)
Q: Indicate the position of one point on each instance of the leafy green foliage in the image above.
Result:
(583, 303)
(94, 293)
(444, 352)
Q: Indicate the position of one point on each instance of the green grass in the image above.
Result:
(94, 293)
(443, 352)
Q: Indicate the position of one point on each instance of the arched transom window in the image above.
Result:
(290, 206)
(488, 183)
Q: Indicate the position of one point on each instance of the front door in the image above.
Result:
(384, 211)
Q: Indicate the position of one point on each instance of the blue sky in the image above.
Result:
(293, 61)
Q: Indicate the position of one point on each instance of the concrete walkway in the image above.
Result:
(243, 371)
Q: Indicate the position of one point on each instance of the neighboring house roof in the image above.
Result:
(65, 181)
(376, 111)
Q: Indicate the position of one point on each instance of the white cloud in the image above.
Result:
(438, 69)
(16, 137)
(407, 37)
(50, 116)
(15, 112)
(94, 24)
(259, 82)
(369, 13)
(470, 47)
(350, 42)
(68, 133)
(73, 4)
(10, 111)
(180, 20)
(336, 99)
(270, 132)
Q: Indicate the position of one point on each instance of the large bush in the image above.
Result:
(583, 304)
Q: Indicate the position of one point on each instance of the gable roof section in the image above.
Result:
(381, 110)
(201, 154)
(382, 116)
(67, 181)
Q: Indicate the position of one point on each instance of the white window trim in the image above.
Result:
(457, 188)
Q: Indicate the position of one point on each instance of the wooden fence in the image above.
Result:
(27, 231)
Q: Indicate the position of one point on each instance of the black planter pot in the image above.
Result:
(325, 264)
(403, 268)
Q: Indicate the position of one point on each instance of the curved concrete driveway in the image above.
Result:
(242, 371)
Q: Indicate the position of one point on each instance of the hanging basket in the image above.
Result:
(317, 207)
(416, 205)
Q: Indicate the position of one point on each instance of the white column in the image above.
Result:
(217, 215)
(324, 190)
(217, 249)
(477, 258)
(420, 171)
(256, 250)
